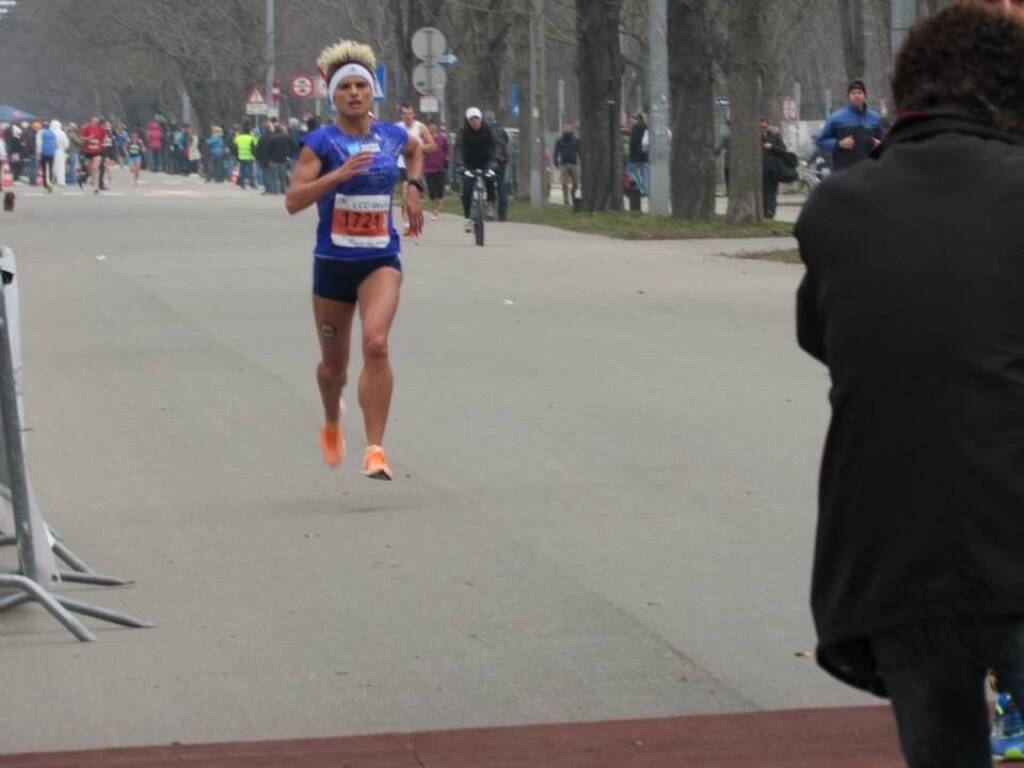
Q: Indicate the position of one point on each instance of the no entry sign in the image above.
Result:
(301, 86)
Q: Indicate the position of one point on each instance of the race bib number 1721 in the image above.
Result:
(361, 221)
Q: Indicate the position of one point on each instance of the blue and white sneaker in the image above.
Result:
(1007, 731)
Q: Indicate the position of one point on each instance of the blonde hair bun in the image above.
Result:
(344, 51)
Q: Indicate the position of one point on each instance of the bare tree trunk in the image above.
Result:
(521, 75)
(498, 29)
(746, 194)
(693, 115)
(599, 66)
(851, 25)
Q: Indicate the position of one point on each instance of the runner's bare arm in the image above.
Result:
(413, 158)
(307, 185)
(411, 202)
(429, 145)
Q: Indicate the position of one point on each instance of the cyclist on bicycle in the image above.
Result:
(478, 150)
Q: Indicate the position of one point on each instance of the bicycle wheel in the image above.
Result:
(478, 229)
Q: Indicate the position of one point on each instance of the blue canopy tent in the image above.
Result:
(9, 114)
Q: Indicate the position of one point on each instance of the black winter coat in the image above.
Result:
(637, 154)
(773, 158)
(478, 148)
(279, 147)
(914, 299)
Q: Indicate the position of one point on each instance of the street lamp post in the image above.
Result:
(659, 90)
(269, 55)
(904, 14)
(536, 105)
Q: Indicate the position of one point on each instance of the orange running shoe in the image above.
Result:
(332, 442)
(375, 464)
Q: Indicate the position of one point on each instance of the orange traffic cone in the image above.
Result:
(234, 174)
(6, 177)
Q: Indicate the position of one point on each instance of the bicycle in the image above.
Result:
(479, 201)
(811, 173)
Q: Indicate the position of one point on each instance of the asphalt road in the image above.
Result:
(605, 459)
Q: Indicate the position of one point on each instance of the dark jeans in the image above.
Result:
(245, 173)
(215, 170)
(281, 169)
(275, 178)
(467, 192)
(771, 195)
(46, 164)
(935, 674)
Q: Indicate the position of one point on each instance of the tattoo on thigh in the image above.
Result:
(328, 331)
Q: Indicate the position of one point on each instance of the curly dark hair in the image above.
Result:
(969, 58)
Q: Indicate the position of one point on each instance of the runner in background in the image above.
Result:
(134, 149)
(418, 131)
(435, 170)
(109, 155)
(92, 148)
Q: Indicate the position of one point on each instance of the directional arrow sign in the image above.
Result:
(448, 59)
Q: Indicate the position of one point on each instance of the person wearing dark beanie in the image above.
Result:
(850, 134)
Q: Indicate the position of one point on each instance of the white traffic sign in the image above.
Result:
(429, 104)
(428, 79)
(428, 43)
(301, 86)
(255, 104)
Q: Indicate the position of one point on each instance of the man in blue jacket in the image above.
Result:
(851, 133)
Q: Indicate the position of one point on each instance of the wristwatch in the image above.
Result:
(418, 183)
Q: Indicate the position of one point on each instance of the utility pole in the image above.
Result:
(658, 151)
(904, 14)
(401, 75)
(537, 106)
(561, 103)
(268, 56)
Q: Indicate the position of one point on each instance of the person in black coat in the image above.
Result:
(913, 299)
(774, 153)
(637, 165)
(279, 149)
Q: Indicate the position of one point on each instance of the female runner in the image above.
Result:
(349, 169)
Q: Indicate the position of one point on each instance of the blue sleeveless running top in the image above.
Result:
(355, 219)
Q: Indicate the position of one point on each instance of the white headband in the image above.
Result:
(351, 69)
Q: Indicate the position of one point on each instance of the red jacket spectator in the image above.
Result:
(154, 135)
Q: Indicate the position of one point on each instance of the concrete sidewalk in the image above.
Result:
(862, 737)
